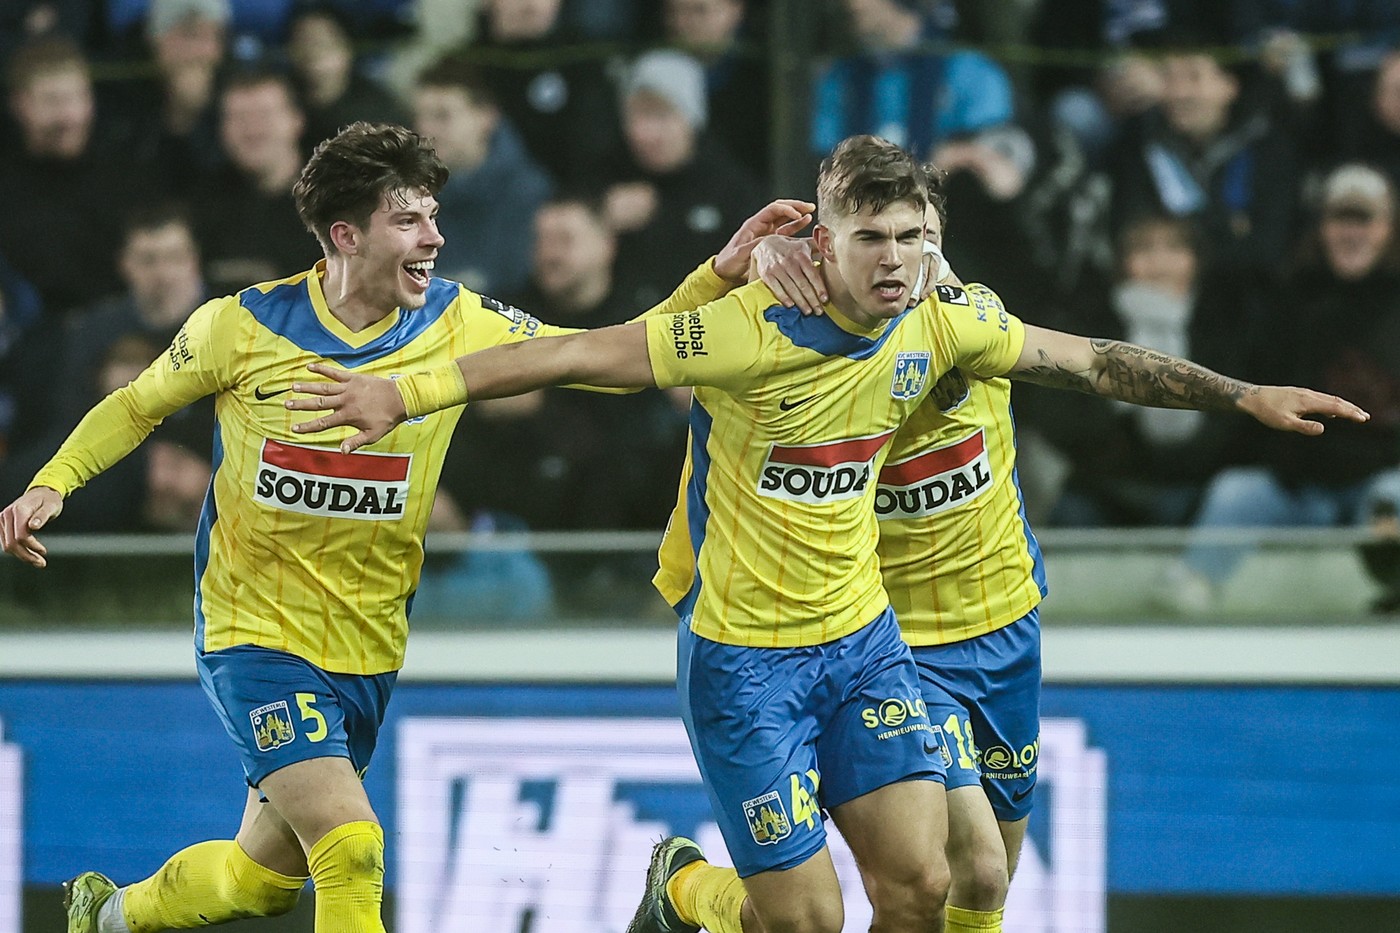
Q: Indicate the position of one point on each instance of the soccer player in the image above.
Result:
(964, 575)
(306, 557)
(796, 690)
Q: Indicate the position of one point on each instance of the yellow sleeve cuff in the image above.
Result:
(432, 390)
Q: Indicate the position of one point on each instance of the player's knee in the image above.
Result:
(985, 885)
(912, 899)
(349, 855)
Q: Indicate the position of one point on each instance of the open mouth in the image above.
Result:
(420, 272)
(890, 290)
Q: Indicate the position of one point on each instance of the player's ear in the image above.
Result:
(822, 239)
(345, 237)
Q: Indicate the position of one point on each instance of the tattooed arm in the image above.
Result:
(1129, 373)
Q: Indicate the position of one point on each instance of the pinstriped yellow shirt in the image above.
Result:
(301, 548)
(772, 542)
(957, 555)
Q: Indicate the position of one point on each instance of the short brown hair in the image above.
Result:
(350, 173)
(867, 171)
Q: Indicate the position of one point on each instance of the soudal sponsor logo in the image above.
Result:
(317, 481)
(934, 481)
(817, 473)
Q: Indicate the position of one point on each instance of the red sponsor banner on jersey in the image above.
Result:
(934, 462)
(855, 450)
(381, 468)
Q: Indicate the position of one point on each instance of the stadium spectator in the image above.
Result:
(495, 186)
(65, 190)
(1091, 97)
(573, 279)
(723, 37)
(159, 262)
(625, 451)
(566, 112)
(333, 92)
(1205, 153)
(245, 217)
(894, 88)
(169, 120)
(682, 191)
(1338, 328)
(1132, 465)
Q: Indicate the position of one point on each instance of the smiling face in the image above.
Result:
(389, 261)
(1354, 238)
(876, 256)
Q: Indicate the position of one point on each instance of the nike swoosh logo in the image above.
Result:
(785, 405)
(262, 396)
(1018, 796)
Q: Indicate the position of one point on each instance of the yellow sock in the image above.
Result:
(707, 896)
(347, 868)
(962, 920)
(208, 883)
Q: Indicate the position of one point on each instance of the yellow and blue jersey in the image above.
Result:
(772, 542)
(957, 555)
(301, 548)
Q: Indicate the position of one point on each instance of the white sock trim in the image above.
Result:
(110, 918)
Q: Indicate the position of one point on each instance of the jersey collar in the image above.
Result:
(333, 324)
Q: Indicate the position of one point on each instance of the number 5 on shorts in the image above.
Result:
(305, 702)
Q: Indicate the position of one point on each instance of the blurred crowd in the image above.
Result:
(1214, 178)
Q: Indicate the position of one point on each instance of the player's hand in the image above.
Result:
(1286, 408)
(933, 269)
(782, 217)
(370, 403)
(26, 515)
(788, 267)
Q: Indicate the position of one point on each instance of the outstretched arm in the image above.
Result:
(608, 357)
(1129, 373)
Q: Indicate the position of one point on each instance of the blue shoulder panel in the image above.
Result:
(821, 333)
(286, 311)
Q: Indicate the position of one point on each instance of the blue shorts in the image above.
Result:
(280, 709)
(985, 693)
(780, 734)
